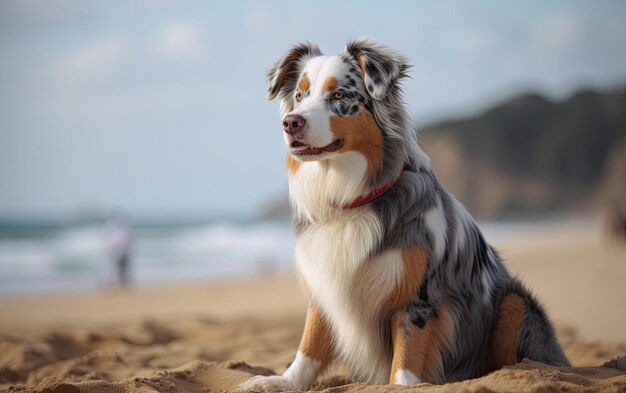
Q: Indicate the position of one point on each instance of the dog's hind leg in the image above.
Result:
(521, 330)
(417, 349)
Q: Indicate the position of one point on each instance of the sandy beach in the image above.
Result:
(211, 336)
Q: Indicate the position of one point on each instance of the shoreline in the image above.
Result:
(74, 260)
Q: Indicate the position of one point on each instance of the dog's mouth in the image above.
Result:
(300, 149)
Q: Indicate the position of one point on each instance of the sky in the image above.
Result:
(158, 108)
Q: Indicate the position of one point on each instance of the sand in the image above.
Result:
(211, 336)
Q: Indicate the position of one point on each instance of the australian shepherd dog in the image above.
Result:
(402, 286)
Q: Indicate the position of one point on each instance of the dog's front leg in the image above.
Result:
(313, 355)
(417, 348)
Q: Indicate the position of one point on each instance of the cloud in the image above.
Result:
(183, 41)
(558, 32)
(95, 62)
(28, 16)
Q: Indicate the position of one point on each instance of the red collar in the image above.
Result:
(365, 199)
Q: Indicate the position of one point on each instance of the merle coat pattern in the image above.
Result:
(403, 289)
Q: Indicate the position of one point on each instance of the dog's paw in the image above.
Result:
(405, 377)
(272, 383)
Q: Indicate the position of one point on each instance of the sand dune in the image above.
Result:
(209, 337)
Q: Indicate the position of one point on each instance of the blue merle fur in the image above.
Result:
(453, 280)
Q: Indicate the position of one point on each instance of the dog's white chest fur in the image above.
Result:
(351, 288)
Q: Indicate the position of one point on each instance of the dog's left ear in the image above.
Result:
(283, 74)
(381, 66)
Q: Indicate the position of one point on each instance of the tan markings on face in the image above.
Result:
(304, 84)
(292, 165)
(505, 335)
(419, 350)
(330, 83)
(415, 263)
(362, 134)
(316, 340)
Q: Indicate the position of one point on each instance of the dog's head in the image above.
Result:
(336, 104)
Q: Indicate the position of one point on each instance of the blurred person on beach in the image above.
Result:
(118, 243)
(615, 223)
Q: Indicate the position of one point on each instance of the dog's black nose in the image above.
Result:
(293, 123)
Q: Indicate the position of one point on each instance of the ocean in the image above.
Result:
(73, 257)
(76, 256)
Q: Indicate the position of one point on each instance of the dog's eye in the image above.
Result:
(298, 97)
(337, 96)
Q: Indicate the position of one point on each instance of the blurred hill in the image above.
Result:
(532, 155)
(528, 156)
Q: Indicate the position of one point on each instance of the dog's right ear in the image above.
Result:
(283, 75)
(381, 66)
